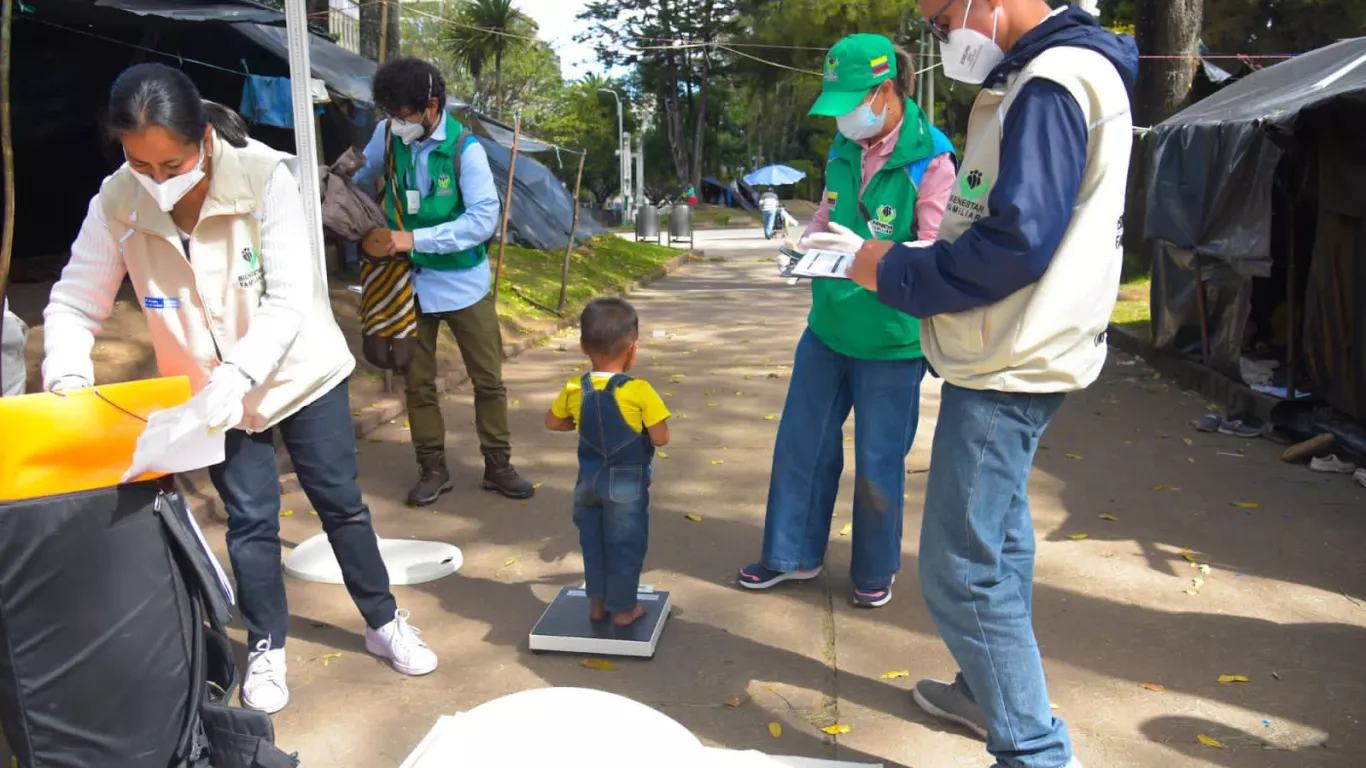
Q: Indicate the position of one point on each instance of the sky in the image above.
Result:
(559, 25)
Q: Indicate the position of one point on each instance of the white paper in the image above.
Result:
(818, 263)
(223, 583)
(177, 440)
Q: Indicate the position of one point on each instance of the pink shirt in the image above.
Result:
(930, 198)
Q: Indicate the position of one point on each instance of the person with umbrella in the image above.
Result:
(887, 178)
(769, 204)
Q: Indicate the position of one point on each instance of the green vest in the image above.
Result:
(441, 206)
(845, 317)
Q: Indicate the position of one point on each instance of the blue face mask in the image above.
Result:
(862, 123)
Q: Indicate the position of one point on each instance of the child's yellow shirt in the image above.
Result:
(640, 405)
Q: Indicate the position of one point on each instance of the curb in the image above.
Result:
(204, 502)
(1188, 374)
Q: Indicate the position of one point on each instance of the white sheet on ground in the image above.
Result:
(409, 562)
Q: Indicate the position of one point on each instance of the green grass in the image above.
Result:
(602, 266)
(1132, 309)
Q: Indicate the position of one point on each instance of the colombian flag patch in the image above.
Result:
(830, 199)
(880, 65)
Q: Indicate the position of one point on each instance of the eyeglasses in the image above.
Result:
(939, 31)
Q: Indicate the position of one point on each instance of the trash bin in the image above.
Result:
(680, 224)
(647, 223)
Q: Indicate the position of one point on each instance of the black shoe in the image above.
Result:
(433, 480)
(501, 477)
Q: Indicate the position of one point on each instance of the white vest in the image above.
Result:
(197, 311)
(1049, 336)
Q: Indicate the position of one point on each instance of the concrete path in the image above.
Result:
(1282, 603)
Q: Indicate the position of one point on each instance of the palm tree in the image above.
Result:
(483, 30)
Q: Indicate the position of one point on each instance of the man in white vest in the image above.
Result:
(1014, 298)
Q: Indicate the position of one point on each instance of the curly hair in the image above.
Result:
(407, 84)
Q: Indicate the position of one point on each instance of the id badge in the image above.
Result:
(414, 200)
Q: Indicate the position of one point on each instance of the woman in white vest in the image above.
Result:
(209, 226)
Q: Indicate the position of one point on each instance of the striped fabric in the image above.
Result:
(388, 310)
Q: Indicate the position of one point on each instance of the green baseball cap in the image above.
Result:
(856, 65)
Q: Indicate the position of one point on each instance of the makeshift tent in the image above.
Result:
(69, 52)
(1257, 208)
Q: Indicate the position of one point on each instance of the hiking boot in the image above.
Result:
(433, 479)
(501, 477)
(946, 701)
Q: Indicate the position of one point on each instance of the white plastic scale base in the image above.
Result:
(566, 628)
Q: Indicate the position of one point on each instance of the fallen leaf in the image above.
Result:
(735, 702)
(1187, 441)
(374, 440)
(1153, 687)
(847, 529)
(894, 674)
(775, 730)
(1246, 504)
(1190, 459)
(694, 518)
(525, 503)
(1076, 456)
(717, 461)
(1196, 584)
(536, 485)
(1203, 567)
(1079, 536)
(1233, 678)
(1108, 555)
(602, 665)
(509, 561)
(837, 729)
(515, 401)
(405, 424)
(313, 512)
(327, 657)
(739, 394)
(1190, 558)
(668, 394)
(771, 417)
(661, 454)
(1111, 518)
(1209, 742)
(287, 513)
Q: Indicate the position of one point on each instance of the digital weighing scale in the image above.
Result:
(565, 626)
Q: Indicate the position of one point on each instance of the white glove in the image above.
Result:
(919, 244)
(221, 399)
(70, 381)
(839, 238)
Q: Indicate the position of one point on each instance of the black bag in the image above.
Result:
(105, 655)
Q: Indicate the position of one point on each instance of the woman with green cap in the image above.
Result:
(888, 177)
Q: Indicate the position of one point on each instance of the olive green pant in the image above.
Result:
(480, 339)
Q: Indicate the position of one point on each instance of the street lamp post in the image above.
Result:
(621, 152)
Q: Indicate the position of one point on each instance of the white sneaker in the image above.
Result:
(265, 688)
(398, 642)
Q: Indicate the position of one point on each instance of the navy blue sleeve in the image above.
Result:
(1043, 154)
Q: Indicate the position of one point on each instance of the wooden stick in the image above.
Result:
(569, 248)
(383, 29)
(1204, 321)
(6, 147)
(507, 205)
(535, 303)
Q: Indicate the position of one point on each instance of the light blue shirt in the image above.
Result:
(445, 290)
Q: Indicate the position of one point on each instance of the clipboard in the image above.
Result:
(821, 265)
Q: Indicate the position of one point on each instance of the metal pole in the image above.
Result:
(928, 70)
(299, 39)
(640, 169)
(507, 205)
(921, 58)
(621, 152)
(574, 227)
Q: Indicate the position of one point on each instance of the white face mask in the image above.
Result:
(969, 55)
(407, 132)
(170, 191)
(862, 123)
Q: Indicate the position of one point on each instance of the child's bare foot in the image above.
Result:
(627, 618)
(597, 609)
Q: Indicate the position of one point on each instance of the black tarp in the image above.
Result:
(542, 209)
(1262, 187)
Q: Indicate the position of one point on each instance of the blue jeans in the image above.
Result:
(614, 532)
(808, 459)
(770, 218)
(322, 446)
(977, 565)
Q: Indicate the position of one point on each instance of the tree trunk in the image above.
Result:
(498, 82)
(369, 30)
(672, 113)
(699, 128)
(392, 49)
(1170, 28)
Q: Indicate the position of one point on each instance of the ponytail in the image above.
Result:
(229, 125)
(905, 73)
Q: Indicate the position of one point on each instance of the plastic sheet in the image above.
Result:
(542, 209)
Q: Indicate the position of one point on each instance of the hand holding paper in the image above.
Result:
(840, 238)
(864, 269)
(221, 399)
(177, 440)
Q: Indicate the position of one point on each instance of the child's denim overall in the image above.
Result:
(612, 497)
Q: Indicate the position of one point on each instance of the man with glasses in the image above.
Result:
(1014, 297)
(439, 196)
